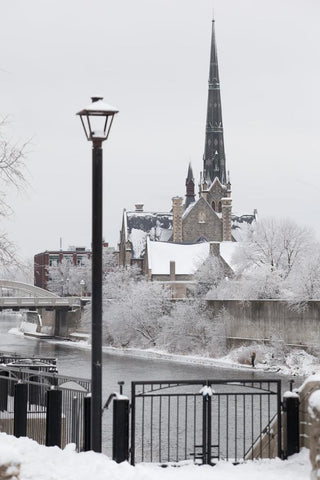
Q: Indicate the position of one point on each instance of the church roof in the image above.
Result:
(139, 225)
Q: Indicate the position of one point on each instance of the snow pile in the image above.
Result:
(276, 359)
(314, 404)
(51, 463)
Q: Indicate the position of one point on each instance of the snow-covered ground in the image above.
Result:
(51, 463)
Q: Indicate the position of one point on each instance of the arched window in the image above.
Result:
(219, 207)
(213, 205)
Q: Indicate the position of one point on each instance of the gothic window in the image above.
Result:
(219, 207)
(213, 205)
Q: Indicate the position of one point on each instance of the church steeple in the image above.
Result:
(190, 196)
(214, 164)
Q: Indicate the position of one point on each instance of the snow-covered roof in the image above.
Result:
(239, 219)
(141, 224)
(188, 209)
(187, 257)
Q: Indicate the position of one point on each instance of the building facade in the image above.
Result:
(77, 256)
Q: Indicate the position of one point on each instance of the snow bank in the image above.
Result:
(314, 404)
(51, 463)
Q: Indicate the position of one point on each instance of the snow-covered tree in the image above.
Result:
(65, 279)
(189, 329)
(304, 280)
(69, 279)
(135, 317)
(277, 244)
(259, 284)
(209, 275)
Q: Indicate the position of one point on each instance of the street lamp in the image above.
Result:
(82, 286)
(96, 119)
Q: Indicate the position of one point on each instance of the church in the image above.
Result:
(170, 246)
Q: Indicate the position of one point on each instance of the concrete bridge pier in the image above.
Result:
(59, 322)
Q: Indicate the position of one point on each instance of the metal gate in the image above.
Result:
(209, 420)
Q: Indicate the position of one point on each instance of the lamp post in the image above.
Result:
(96, 120)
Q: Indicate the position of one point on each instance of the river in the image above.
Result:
(72, 360)
(75, 361)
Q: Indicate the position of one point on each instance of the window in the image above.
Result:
(53, 260)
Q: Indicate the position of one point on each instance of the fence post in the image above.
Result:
(4, 390)
(20, 409)
(291, 408)
(120, 432)
(53, 424)
(87, 423)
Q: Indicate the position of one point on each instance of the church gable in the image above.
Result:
(215, 193)
(201, 221)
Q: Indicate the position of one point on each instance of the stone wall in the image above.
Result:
(201, 221)
(258, 320)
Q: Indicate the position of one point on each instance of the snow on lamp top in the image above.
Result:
(97, 119)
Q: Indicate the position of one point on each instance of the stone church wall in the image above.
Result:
(259, 320)
(201, 221)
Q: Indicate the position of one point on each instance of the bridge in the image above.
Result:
(33, 297)
(60, 315)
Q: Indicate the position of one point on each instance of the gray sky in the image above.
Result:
(150, 58)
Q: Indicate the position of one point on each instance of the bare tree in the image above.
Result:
(12, 174)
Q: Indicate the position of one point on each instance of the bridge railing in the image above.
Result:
(25, 302)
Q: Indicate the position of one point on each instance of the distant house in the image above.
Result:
(52, 258)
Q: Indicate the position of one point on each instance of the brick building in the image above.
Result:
(52, 258)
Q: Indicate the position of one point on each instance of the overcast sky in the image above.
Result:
(150, 58)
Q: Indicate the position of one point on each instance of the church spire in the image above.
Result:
(214, 164)
(190, 195)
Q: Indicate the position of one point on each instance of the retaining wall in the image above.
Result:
(258, 320)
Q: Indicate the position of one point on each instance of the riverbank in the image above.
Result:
(290, 363)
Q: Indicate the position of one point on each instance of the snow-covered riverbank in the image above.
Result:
(292, 363)
(51, 463)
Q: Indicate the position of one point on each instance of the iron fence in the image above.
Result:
(205, 420)
(74, 391)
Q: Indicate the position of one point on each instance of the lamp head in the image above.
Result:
(97, 119)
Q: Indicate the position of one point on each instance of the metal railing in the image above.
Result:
(39, 383)
(205, 420)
